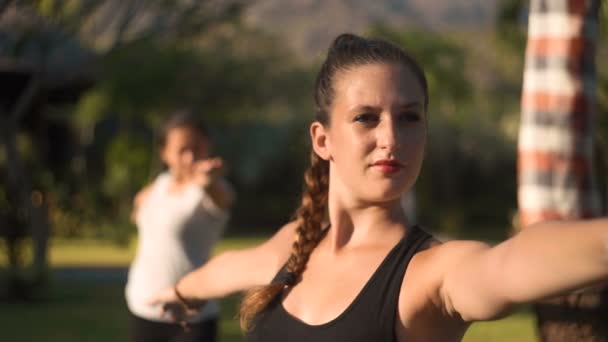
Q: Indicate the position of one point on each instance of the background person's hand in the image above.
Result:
(164, 298)
(205, 172)
(174, 308)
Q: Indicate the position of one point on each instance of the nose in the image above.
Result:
(187, 157)
(388, 134)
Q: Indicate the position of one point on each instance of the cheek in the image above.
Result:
(174, 158)
(355, 144)
(360, 142)
(165, 155)
(351, 156)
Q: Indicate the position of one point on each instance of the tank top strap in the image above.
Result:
(383, 295)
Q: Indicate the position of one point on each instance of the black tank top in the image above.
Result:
(370, 317)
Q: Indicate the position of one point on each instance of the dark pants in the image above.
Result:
(143, 330)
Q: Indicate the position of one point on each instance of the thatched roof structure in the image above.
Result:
(32, 49)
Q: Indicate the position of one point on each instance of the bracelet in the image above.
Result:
(182, 300)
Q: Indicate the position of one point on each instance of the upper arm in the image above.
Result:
(277, 249)
(240, 270)
(139, 198)
(544, 260)
(472, 284)
(548, 259)
(262, 262)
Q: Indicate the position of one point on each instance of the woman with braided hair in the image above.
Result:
(350, 267)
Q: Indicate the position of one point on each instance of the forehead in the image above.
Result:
(184, 134)
(377, 85)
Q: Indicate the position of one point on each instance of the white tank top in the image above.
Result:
(176, 234)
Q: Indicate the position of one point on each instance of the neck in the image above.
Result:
(178, 180)
(355, 223)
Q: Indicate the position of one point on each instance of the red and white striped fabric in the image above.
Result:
(555, 164)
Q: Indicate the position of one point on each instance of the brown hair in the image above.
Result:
(347, 51)
(180, 119)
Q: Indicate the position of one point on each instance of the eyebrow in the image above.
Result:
(408, 105)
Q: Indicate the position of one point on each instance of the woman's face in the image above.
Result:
(376, 135)
(184, 146)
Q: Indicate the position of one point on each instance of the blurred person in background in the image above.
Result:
(179, 218)
(350, 266)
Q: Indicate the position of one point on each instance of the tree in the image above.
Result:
(31, 78)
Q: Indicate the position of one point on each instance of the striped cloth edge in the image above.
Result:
(555, 148)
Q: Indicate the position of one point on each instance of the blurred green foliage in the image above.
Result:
(252, 94)
(257, 98)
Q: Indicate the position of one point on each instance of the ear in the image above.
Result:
(320, 140)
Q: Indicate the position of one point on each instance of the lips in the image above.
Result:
(387, 166)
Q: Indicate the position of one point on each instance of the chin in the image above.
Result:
(379, 194)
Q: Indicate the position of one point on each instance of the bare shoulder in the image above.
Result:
(142, 194)
(140, 198)
(441, 257)
(421, 286)
(453, 251)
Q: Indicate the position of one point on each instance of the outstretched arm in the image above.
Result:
(221, 193)
(233, 271)
(208, 173)
(544, 260)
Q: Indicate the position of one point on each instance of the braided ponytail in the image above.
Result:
(310, 215)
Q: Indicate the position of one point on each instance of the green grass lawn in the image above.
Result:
(95, 311)
(518, 327)
(84, 312)
(84, 252)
